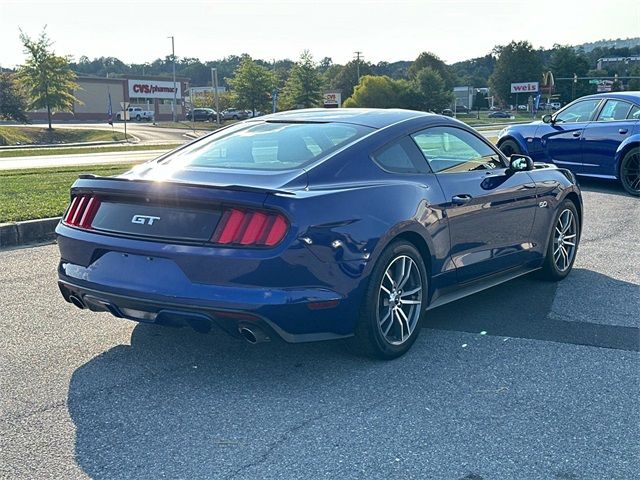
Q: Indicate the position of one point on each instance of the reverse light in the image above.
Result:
(82, 211)
(250, 228)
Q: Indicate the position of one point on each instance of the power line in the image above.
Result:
(358, 57)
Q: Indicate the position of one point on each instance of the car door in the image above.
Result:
(490, 209)
(562, 141)
(602, 137)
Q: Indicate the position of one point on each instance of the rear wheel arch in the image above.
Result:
(421, 245)
(623, 153)
(573, 196)
(510, 140)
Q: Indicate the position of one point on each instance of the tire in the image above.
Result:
(510, 147)
(235, 117)
(630, 172)
(382, 331)
(563, 243)
(118, 117)
(138, 118)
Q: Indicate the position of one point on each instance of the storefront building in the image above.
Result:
(94, 94)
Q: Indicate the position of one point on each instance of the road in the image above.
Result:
(48, 161)
(528, 380)
(145, 132)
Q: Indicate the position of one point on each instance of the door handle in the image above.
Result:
(577, 134)
(461, 199)
(622, 131)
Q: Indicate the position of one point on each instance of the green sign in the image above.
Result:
(594, 82)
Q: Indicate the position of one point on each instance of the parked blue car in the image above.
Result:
(595, 136)
(316, 224)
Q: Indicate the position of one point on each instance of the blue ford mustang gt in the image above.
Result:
(594, 136)
(316, 224)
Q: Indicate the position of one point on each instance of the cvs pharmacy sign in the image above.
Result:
(525, 87)
(153, 89)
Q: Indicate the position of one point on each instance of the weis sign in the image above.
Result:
(525, 87)
(152, 89)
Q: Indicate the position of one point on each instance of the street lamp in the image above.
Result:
(175, 89)
(214, 84)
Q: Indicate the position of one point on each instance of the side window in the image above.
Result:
(614, 110)
(400, 157)
(452, 150)
(634, 114)
(578, 112)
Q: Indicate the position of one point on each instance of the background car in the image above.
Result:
(595, 136)
(203, 115)
(499, 114)
(234, 114)
(316, 224)
(447, 112)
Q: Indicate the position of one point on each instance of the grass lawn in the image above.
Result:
(76, 150)
(470, 118)
(18, 135)
(43, 192)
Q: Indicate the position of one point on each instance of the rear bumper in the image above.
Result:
(178, 313)
(285, 290)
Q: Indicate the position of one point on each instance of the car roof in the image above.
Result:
(370, 117)
(628, 96)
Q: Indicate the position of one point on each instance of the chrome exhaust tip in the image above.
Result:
(77, 301)
(253, 335)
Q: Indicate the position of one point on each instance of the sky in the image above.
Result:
(136, 31)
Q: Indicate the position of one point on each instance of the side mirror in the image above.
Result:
(520, 163)
(547, 118)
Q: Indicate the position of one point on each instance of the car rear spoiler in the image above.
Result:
(89, 181)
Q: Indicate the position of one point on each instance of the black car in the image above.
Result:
(202, 115)
(499, 114)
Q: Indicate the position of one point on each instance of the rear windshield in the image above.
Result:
(268, 146)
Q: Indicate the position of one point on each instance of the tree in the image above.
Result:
(564, 63)
(304, 85)
(252, 85)
(475, 72)
(46, 77)
(634, 83)
(517, 62)
(12, 102)
(427, 59)
(380, 91)
(374, 92)
(434, 93)
(208, 100)
(346, 79)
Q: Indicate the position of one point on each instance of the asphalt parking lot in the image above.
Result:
(528, 380)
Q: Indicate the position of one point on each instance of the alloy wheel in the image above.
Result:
(630, 174)
(399, 300)
(564, 240)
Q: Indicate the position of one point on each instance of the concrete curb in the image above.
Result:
(15, 234)
(133, 140)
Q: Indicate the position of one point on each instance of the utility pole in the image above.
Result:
(358, 57)
(175, 89)
(214, 85)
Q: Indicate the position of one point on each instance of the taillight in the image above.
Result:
(250, 228)
(82, 211)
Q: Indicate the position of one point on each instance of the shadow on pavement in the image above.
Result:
(598, 185)
(521, 308)
(178, 404)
